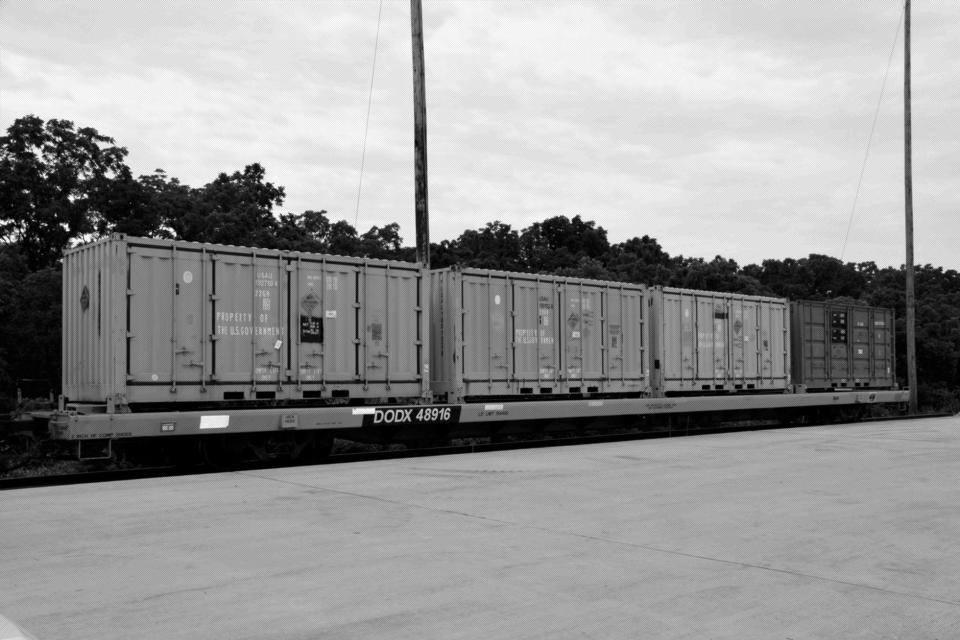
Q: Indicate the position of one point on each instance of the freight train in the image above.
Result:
(225, 347)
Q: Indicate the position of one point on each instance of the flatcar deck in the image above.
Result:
(70, 426)
(816, 532)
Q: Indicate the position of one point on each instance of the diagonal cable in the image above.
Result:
(366, 129)
(873, 127)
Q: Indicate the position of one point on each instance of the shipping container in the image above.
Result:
(156, 322)
(712, 342)
(838, 345)
(508, 335)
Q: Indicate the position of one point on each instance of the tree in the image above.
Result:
(557, 242)
(55, 182)
(146, 206)
(304, 232)
(313, 231)
(13, 270)
(720, 274)
(586, 267)
(233, 209)
(495, 246)
(382, 242)
(29, 322)
(640, 260)
(816, 277)
(342, 239)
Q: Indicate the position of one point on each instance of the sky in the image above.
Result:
(736, 129)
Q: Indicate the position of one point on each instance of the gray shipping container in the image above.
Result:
(157, 322)
(500, 334)
(718, 342)
(838, 345)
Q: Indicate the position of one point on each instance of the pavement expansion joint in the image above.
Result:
(751, 565)
(367, 496)
(613, 541)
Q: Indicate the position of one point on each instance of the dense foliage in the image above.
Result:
(60, 185)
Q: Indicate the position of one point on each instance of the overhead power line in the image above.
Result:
(873, 127)
(366, 128)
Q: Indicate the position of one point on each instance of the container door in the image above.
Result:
(839, 345)
(860, 343)
(389, 299)
(374, 326)
(248, 313)
(499, 327)
(476, 340)
(744, 358)
(189, 329)
(583, 344)
(882, 363)
(816, 343)
(527, 326)
(166, 321)
(405, 329)
(680, 337)
(712, 327)
(591, 334)
(323, 318)
(626, 335)
(616, 304)
(485, 329)
(771, 340)
(535, 331)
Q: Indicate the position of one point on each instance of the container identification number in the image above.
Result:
(414, 415)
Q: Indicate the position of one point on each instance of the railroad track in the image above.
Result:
(85, 477)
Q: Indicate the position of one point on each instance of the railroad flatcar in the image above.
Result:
(153, 324)
(283, 351)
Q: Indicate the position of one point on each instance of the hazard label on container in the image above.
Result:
(309, 302)
(311, 329)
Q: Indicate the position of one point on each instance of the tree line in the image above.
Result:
(61, 184)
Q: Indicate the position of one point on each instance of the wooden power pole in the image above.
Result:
(420, 136)
(908, 190)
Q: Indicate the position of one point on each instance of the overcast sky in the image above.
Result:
(730, 128)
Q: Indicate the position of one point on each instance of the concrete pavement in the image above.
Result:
(824, 532)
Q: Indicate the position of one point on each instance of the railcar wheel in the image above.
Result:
(229, 452)
(290, 446)
(315, 448)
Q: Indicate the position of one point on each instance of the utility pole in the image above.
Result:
(420, 136)
(908, 191)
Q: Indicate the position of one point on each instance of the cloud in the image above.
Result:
(716, 128)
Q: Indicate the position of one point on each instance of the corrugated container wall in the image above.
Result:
(839, 345)
(154, 322)
(718, 342)
(500, 334)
